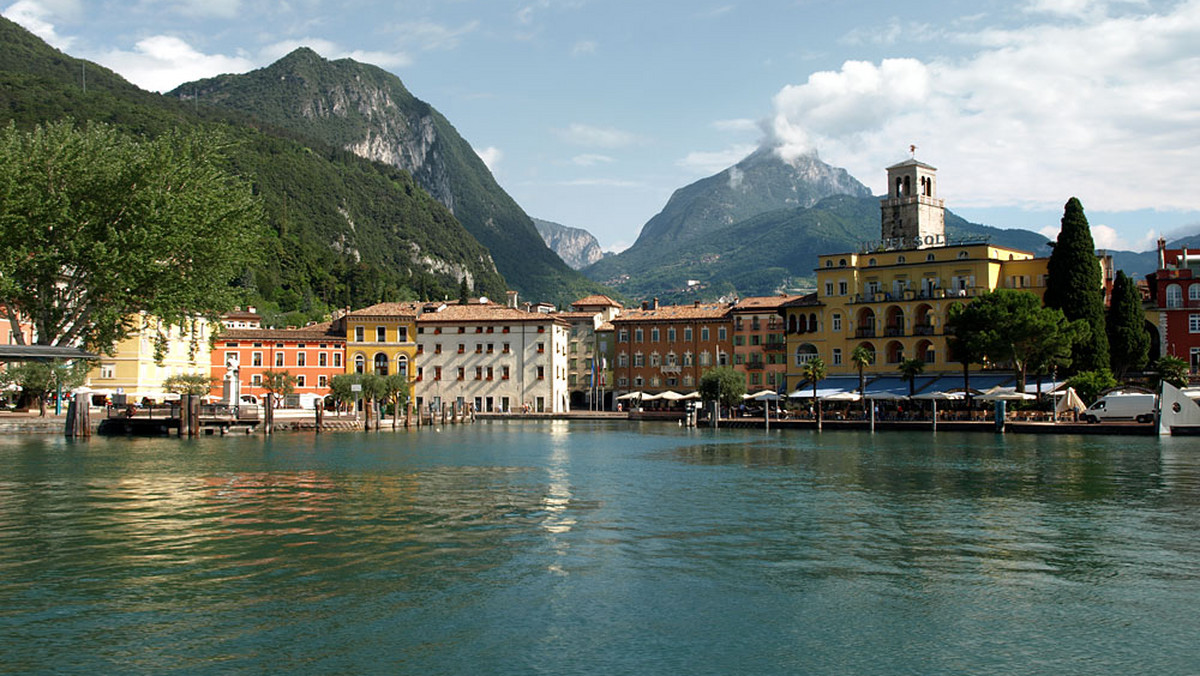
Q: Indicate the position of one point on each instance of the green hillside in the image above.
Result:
(345, 231)
(363, 108)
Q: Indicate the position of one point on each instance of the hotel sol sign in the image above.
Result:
(893, 243)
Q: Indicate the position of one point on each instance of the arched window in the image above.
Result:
(402, 365)
(872, 263)
(793, 325)
(907, 186)
(381, 364)
(829, 262)
(901, 260)
(1174, 296)
(360, 363)
(842, 262)
(929, 257)
(899, 186)
(963, 254)
(805, 353)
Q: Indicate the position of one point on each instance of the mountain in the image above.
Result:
(576, 246)
(341, 230)
(368, 111)
(762, 182)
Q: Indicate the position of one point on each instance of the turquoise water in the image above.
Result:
(556, 548)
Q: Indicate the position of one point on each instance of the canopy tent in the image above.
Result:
(762, 395)
(885, 396)
(1046, 387)
(651, 397)
(671, 396)
(632, 395)
(692, 396)
(1005, 394)
(979, 382)
(1068, 400)
(941, 396)
(826, 387)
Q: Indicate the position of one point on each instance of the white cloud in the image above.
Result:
(583, 47)
(331, 50)
(429, 36)
(712, 162)
(738, 125)
(598, 137)
(1106, 108)
(35, 17)
(224, 9)
(591, 160)
(163, 62)
(491, 156)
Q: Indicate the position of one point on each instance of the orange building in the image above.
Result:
(670, 347)
(759, 340)
(313, 354)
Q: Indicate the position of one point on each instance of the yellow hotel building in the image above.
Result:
(893, 296)
(381, 339)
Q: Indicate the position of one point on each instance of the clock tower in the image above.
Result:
(912, 216)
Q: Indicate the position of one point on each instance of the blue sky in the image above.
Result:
(591, 113)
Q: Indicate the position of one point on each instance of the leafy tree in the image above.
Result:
(38, 379)
(1074, 285)
(394, 389)
(1128, 340)
(278, 383)
(188, 383)
(341, 387)
(965, 343)
(861, 357)
(1089, 384)
(909, 370)
(99, 226)
(1011, 326)
(1172, 369)
(723, 384)
(814, 371)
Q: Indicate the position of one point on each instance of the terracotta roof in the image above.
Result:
(316, 332)
(575, 315)
(761, 303)
(241, 314)
(388, 310)
(809, 300)
(666, 313)
(606, 326)
(597, 299)
(490, 312)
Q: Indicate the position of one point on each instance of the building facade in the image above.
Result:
(380, 339)
(760, 341)
(670, 347)
(1174, 315)
(492, 357)
(313, 355)
(588, 368)
(141, 363)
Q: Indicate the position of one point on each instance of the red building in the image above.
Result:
(313, 354)
(1174, 315)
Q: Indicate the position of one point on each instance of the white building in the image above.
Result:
(493, 357)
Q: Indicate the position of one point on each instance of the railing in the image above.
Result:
(775, 346)
(923, 330)
(755, 365)
(865, 332)
(890, 331)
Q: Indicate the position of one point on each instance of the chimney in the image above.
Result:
(656, 302)
(512, 299)
(645, 305)
(695, 303)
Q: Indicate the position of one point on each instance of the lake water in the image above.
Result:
(605, 548)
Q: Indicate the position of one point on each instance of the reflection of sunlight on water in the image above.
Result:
(558, 496)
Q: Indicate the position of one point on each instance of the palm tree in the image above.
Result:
(861, 357)
(909, 370)
(1172, 369)
(814, 371)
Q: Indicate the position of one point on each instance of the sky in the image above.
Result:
(591, 113)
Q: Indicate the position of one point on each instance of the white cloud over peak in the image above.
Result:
(35, 17)
(597, 137)
(1106, 108)
(163, 62)
(491, 156)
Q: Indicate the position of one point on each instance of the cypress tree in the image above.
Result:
(1073, 285)
(1128, 340)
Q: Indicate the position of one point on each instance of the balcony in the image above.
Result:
(670, 369)
(755, 365)
(893, 331)
(865, 332)
(923, 330)
(770, 346)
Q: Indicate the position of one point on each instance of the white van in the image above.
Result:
(1121, 406)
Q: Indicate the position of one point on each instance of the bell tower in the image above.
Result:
(912, 216)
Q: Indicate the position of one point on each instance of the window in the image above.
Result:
(829, 263)
(300, 381)
(704, 334)
(1194, 292)
(654, 335)
(437, 372)
(1174, 296)
(872, 263)
(836, 318)
(108, 370)
(671, 335)
(301, 359)
(622, 360)
(402, 334)
(322, 381)
(837, 356)
(380, 334)
(655, 360)
(541, 373)
(805, 353)
(323, 359)
(478, 373)
(687, 359)
(420, 374)
(504, 373)
(505, 349)
(687, 335)
(901, 259)
(491, 347)
(639, 360)
(541, 347)
(637, 335)
(929, 258)
(1194, 323)
(842, 288)
(479, 348)
(963, 254)
(489, 373)
(256, 379)
(721, 335)
(828, 288)
(462, 348)
(623, 336)
(359, 334)
(337, 360)
(705, 358)
(256, 359)
(462, 373)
